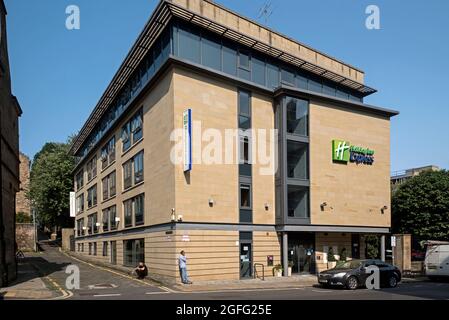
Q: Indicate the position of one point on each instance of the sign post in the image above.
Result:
(393, 245)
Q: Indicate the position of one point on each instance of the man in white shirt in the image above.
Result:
(183, 268)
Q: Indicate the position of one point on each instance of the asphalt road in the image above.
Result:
(104, 284)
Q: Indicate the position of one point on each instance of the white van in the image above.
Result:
(436, 263)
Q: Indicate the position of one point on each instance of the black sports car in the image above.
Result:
(353, 274)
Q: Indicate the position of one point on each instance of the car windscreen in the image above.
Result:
(354, 264)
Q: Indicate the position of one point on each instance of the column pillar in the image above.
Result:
(382, 247)
(285, 253)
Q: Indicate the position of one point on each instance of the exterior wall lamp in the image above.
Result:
(179, 218)
(267, 206)
(211, 202)
(383, 209)
(323, 205)
(173, 217)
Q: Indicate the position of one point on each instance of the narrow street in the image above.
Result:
(98, 283)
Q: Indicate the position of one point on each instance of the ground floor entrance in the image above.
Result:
(301, 252)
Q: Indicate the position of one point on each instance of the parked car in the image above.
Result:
(352, 274)
(436, 263)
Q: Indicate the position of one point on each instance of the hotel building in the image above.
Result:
(197, 63)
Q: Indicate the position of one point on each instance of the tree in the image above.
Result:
(420, 206)
(50, 183)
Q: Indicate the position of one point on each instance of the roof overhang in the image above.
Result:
(157, 22)
(348, 104)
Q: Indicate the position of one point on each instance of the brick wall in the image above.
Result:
(22, 203)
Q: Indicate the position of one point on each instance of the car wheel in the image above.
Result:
(392, 281)
(352, 283)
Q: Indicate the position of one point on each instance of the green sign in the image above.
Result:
(344, 152)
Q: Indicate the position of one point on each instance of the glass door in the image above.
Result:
(245, 260)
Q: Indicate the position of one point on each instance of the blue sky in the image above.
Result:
(59, 75)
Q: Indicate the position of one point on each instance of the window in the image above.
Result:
(112, 216)
(80, 203)
(128, 209)
(258, 72)
(134, 252)
(95, 248)
(105, 248)
(245, 196)
(211, 53)
(244, 110)
(297, 161)
(80, 227)
(127, 175)
(315, 85)
(297, 116)
(79, 180)
(244, 65)
(272, 76)
(288, 77)
(92, 221)
(90, 248)
(105, 219)
(298, 202)
(229, 61)
(92, 169)
(105, 188)
(108, 153)
(82, 247)
(139, 209)
(126, 137)
(132, 131)
(92, 196)
(136, 126)
(189, 45)
(301, 82)
(134, 211)
(138, 167)
(109, 186)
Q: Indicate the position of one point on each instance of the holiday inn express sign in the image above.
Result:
(344, 152)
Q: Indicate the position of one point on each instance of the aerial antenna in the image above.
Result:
(266, 11)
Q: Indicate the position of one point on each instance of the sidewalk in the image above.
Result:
(28, 285)
(295, 281)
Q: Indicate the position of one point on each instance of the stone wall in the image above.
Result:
(68, 239)
(25, 236)
(22, 203)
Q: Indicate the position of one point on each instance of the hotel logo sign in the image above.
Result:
(344, 152)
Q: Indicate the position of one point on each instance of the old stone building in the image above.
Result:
(22, 203)
(9, 153)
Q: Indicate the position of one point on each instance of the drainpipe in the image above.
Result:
(285, 253)
(382, 248)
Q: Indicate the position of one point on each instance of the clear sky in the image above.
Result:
(59, 75)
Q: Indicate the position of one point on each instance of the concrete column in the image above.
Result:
(382, 248)
(285, 253)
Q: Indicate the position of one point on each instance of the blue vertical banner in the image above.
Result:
(187, 139)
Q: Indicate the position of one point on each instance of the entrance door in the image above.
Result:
(245, 260)
(301, 252)
(113, 252)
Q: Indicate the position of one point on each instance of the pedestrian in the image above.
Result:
(183, 268)
(141, 270)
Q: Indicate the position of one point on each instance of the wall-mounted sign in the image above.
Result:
(187, 139)
(344, 152)
(72, 204)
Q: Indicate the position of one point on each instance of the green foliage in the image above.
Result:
(372, 246)
(50, 183)
(22, 217)
(420, 206)
(331, 255)
(343, 254)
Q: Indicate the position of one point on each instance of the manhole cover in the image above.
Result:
(102, 286)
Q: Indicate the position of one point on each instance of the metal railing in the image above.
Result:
(256, 274)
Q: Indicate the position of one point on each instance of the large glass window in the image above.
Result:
(229, 60)
(245, 196)
(134, 252)
(92, 169)
(112, 184)
(79, 180)
(189, 45)
(112, 215)
(244, 110)
(138, 167)
(139, 209)
(297, 160)
(127, 175)
(128, 210)
(132, 131)
(80, 203)
(92, 196)
(288, 77)
(108, 153)
(297, 116)
(105, 219)
(126, 137)
(273, 76)
(298, 199)
(244, 65)
(211, 53)
(258, 71)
